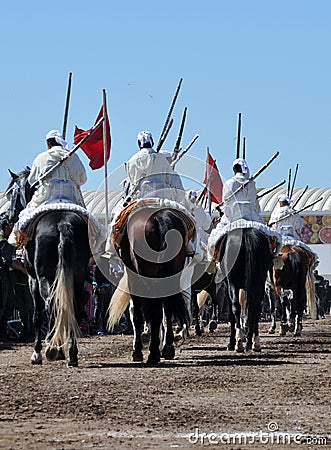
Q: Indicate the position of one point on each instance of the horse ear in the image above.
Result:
(13, 175)
(27, 168)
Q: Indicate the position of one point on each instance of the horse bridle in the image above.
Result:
(12, 194)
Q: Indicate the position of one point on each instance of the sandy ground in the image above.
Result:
(205, 397)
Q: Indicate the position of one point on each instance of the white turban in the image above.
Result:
(145, 137)
(284, 198)
(243, 164)
(58, 137)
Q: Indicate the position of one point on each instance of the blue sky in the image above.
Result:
(269, 60)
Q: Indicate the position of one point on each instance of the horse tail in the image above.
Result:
(202, 298)
(119, 302)
(62, 294)
(310, 290)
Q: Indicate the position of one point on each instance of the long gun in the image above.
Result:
(72, 151)
(184, 151)
(180, 135)
(294, 179)
(162, 137)
(295, 212)
(252, 178)
(270, 189)
(300, 197)
(66, 110)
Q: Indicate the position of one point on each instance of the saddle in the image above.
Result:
(154, 203)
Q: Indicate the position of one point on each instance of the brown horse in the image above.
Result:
(152, 248)
(296, 274)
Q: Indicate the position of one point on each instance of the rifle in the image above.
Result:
(300, 197)
(252, 178)
(162, 137)
(72, 151)
(295, 212)
(180, 134)
(66, 111)
(295, 177)
(184, 151)
(270, 189)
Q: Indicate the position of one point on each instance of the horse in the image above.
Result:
(295, 274)
(56, 259)
(245, 256)
(152, 248)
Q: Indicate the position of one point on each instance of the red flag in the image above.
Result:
(215, 182)
(93, 147)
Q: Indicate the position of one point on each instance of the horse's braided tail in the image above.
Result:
(62, 297)
(119, 302)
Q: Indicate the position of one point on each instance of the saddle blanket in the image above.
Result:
(24, 228)
(215, 238)
(119, 222)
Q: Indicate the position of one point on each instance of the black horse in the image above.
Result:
(152, 248)
(56, 258)
(245, 258)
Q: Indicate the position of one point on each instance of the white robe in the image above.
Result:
(149, 172)
(243, 205)
(291, 226)
(65, 181)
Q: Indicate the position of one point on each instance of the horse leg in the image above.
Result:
(155, 315)
(232, 342)
(213, 322)
(196, 313)
(283, 315)
(168, 349)
(300, 305)
(273, 311)
(138, 323)
(73, 354)
(236, 310)
(36, 357)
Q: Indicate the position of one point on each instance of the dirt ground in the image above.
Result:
(206, 397)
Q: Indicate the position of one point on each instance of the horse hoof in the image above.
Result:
(239, 348)
(212, 326)
(153, 360)
(230, 347)
(60, 355)
(36, 358)
(72, 363)
(290, 327)
(168, 352)
(297, 334)
(137, 356)
(51, 354)
(256, 348)
(198, 331)
(271, 331)
(248, 348)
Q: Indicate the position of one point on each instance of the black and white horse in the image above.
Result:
(56, 258)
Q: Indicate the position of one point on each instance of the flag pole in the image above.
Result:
(105, 146)
(209, 174)
(66, 111)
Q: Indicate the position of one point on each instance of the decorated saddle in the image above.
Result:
(29, 217)
(120, 221)
(217, 235)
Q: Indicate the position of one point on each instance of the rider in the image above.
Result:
(61, 185)
(148, 170)
(244, 204)
(288, 221)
